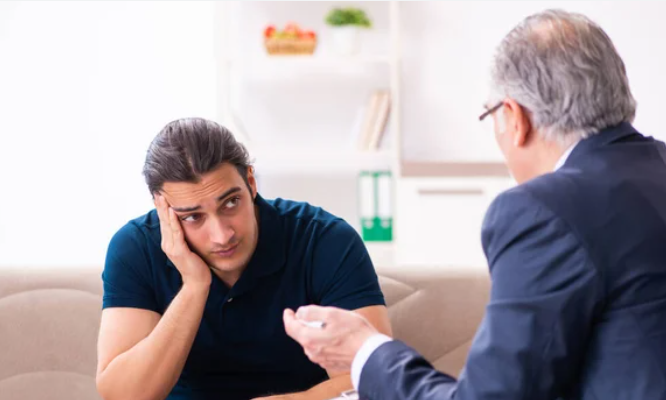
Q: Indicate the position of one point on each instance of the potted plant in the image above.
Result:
(347, 23)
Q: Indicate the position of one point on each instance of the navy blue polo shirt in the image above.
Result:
(304, 255)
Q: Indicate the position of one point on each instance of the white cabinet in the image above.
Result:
(439, 220)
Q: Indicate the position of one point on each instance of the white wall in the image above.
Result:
(448, 47)
(84, 87)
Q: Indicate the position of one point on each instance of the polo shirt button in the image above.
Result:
(230, 299)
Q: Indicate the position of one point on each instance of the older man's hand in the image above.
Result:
(335, 345)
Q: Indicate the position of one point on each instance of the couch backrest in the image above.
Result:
(49, 321)
(436, 310)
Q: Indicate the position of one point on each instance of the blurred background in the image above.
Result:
(368, 109)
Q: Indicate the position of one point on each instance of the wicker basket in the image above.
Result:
(288, 46)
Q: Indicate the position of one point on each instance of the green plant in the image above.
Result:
(348, 16)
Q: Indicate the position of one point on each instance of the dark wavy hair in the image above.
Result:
(188, 148)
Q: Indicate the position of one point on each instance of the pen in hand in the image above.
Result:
(314, 324)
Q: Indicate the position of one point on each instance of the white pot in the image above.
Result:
(346, 40)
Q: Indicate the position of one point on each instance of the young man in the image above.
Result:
(194, 290)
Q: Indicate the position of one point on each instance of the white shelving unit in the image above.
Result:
(313, 61)
(298, 156)
(315, 157)
(313, 160)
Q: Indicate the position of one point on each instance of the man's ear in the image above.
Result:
(252, 182)
(517, 122)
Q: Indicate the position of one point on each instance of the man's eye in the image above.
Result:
(191, 218)
(232, 203)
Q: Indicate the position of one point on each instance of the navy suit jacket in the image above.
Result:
(577, 310)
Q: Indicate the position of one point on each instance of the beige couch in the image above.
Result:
(49, 321)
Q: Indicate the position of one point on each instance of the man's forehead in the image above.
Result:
(210, 186)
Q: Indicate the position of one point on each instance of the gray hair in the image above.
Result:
(188, 148)
(566, 72)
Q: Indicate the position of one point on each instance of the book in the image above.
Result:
(369, 117)
(380, 122)
(375, 121)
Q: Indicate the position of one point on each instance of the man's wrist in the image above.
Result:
(363, 355)
(196, 288)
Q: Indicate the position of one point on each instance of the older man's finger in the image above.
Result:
(291, 324)
(312, 328)
(315, 357)
(296, 329)
(288, 314)
(312, 313)
(335, 366)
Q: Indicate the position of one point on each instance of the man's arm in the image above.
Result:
(326, 390)
(545, 294)
(344, 277)
(340, 379)
(140, 355)
(350, 283)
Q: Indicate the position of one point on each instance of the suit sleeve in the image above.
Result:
(545, 294)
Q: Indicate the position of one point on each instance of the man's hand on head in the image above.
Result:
(335, 345)
(192, 268)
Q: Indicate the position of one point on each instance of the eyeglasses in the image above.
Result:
(490, 110)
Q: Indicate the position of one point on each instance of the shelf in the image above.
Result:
(245, 69)
(276, 160)
(308, 61)
(455, 169)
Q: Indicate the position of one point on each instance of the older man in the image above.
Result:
(577, 251)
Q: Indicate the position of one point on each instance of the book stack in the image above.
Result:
(375, 119)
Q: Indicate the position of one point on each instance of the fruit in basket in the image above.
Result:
(309, 35)
(291, 40)
(269, 31)
(292, 29)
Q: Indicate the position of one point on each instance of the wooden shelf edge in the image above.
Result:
(412, 169)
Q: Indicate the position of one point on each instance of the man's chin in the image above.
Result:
(225, 267)
(226, 264)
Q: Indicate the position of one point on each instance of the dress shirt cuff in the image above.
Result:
(364, 353)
